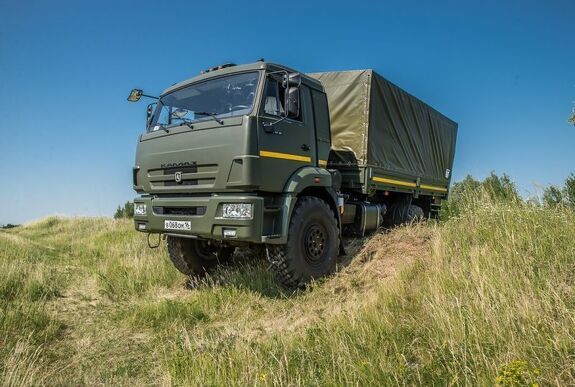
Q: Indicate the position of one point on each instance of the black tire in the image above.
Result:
(415, 214)
(403, 212)
(196, 257)
(312, 247)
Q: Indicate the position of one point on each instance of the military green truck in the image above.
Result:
(262, 156)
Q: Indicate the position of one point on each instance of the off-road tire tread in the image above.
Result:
(178, 256)
(277, 254)
(415, 213)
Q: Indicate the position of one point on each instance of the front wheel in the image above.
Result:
(312, 247)
(195, 256)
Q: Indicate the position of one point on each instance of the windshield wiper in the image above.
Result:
(161, 127)
(171, 126)
(185, 121)
(213, 115)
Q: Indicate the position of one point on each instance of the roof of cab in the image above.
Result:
(314, 83)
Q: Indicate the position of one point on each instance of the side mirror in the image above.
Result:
(292, 80)
(292, 101)
(135, 95)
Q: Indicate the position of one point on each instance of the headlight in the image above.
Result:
(139, 209)
(237, 210)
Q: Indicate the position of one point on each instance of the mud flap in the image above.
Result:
(341, 247)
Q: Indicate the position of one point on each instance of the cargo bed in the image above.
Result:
(383, 138)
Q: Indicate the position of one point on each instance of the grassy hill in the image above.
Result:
(487, 296)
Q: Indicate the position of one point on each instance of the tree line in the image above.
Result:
(8, 225)
(502, 188)
(125, 212)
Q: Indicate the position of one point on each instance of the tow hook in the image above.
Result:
(157, 244)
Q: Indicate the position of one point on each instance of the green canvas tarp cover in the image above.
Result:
(380, 125)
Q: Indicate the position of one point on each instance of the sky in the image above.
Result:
(504, 70)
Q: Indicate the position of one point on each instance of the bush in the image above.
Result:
(8, 226)
(552, 196)
(565, 195)
(494, 188)
(125, 212)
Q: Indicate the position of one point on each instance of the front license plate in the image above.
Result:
(177, 225)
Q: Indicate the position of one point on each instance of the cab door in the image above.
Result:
(285, 144)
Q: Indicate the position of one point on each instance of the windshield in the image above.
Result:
(214, 99)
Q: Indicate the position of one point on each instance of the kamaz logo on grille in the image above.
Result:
(178, 177)
(182, 164)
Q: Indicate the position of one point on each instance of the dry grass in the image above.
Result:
(484, 297)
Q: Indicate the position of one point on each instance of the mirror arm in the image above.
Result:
(277, 72)
(136, 94)
(284, 72)
(269, 125)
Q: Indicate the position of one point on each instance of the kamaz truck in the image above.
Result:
(262, 156)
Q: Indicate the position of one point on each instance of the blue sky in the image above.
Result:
(504, 70)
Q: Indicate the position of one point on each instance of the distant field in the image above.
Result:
(487, 296)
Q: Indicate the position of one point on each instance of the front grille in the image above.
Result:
(190, 169)
(203, 175)
(193, 211)
(183, 182)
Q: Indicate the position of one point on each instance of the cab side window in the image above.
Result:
(321, 115)
(274, 102)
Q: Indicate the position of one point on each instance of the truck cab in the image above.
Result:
(242, 148)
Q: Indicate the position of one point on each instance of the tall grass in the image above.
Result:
(499, 289)
(493, 302)
(485, 297)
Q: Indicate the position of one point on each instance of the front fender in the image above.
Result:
(311, 181)
(308, 177)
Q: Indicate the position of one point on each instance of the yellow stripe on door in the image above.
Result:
(285, 156)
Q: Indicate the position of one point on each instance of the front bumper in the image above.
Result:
(205, 215)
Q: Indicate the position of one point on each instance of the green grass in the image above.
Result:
(485, 297)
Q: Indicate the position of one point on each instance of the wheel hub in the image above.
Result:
(315, 241)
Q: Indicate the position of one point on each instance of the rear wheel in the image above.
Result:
(195, 256)
(403, 211)
(415, 213)
(312, 247)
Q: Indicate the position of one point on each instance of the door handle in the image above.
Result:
(305, 147)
